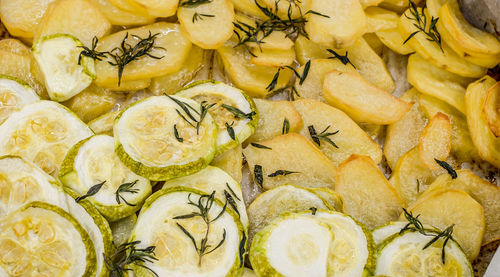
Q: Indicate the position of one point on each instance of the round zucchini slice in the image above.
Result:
(42, 132)
(404, 255)
(215, 179)
(234, 112)
(92, 163)
(292, 245)
(165, 137)
(65, 71)
(14, 94)
(45, 239)
(194, 234)
(122, 229)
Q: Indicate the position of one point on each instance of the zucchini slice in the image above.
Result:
(234, 112)
(122, 229)
(215, 179)
(93, 162)
(403, 255)
(292, 245)
(45, 239)
(178, 222)
(14, 94)
(66, 73)
(380, 234)
(165, 137)
(42, 133)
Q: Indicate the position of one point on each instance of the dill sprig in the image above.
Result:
(192, 116)
(281, 172)
(260, 146)
(126, 53)
(126, 187)
(91, 52)
(420, 22)
(238, 113)
(448, 168)
(203, 205)
(194, 3)
(324, 135)
(258, 175)
(200, 16)
(93, 190)
(286, 127)
(343, 59)
(127, 254)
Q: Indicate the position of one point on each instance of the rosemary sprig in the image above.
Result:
(241, 248)
(93, 190)
(448, 168)
(230, 200)
(232, 192)
(192, 116)
(126, 187)
(239, 113)
(91, 52)
(176, 134)
(204, 107)
(126, 53)
(258, 175)
(420, 22)
(230, 130)
(260, 146)
(200, 16)
(274, 81)
(446, 235)
(286, 127)
(343, 59)
(281, 172)
(128, 254)
(204, 205)
(194, 3)
(324, 135)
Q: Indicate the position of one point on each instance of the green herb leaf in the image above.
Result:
(127, 254)
(313, 210)
(242, 251)
(230, 200)
(343, 59)
(286, 127)
(307, 66)
(324, 135)
(200, 16)
(260, 146)
(420, 22)
(274, 81)
(281, 172)
(126, 187)
(232, 192)
(238, 113)
(91, 52)
(230, 130)
(258, 175)
(448, 168)
(176, 134)
(93, 190)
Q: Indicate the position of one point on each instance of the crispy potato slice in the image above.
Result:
(130, 6)
(78, 18)
(312, 87)
(272, 114)
(21, 17)
(487, 144)
(231, 162)
(368, 196)
(486, 193)
(491, 109)
(127, 85)
(272, 57)
(290, 152)
(343, 26)
(307, 50)
(443, 57)
(361, 100)
(171, 44)
(349, 139)
(378, 19)
(118, 16)
(393, 40)
(433, 6)
(437, 82)
(207, 25)
(446, 207)
(248, 7)
(435, 141)
(396, 5)
(403, 135)
(164, 8)
(374, 42)
(367, 3)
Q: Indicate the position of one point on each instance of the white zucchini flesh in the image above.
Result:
(14, 94)
(58, 56)
(383, 232)
(176, 254)
(403, 255)
(215, 179)
(45, 239)
(93, 161)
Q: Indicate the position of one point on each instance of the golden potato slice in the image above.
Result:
(486, 193)
(361, 100)
(21, 17)
(487, 144)
(307, 50)
(78, 18)
(207, 25)
(491, 109)
(297, 8)
(163, 8)
(171, 44)
(272, 114)
(130, 6)
(367, 3)
(248, 7)
(231, 162)
(118, 16)
(437, 82)
(374, 42)
(104, 123)
(14, 46)
(368, 196)
(343, 26)
(393, 40)
(292, 159)
(396, 5)
(271, 57)
(435, 141)
(312, 86)
(447, 207)
(433, 7)
(251, 78)
(378, 19)
(127, 85)
(403, 135)
(346, 137)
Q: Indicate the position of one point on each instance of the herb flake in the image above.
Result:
(128, 254)
(448, 168)
(260, 146)
(238, 113)
(126, 187)
(286, 127)
(281, 172)
(343, 59)
(93, 190)
(324, 135)
(258, 175)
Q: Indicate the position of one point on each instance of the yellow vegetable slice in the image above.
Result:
(117, 16)
(231, 162)
(21, 17)
(435, 141)
(330, 196)
(491, 109)
(379, 19)
(271, 57)
(393, 40)
(122, 229)
(104, 123)
(130, 6)
(158, 139)
(165, 8)
(14, 94)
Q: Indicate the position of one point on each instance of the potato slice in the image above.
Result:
(361, 100)
(486, 193)
(121, 17)
(272, 114)
(78, 18)
(130, 6)
(487, 144)
(349, 139)
(343, 26)
(368, 196)
(403, 135)
(307, 50)
(170, 44)
(396, 5)
(491, 109)
(164, 8)
(435, 141)
(248, 7)
(331, 197)
(207, 25)
(312, 87)
(437, 82)
(378, 19)
(290, 152)
(433, 7)
(21, 17)
(374, 42)
(271, 57)
(443, 208)
(297, 8)
(367, 3)
(104, 123)
(231, 162)
(443, 57)
(393, 40)
(127, 86)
